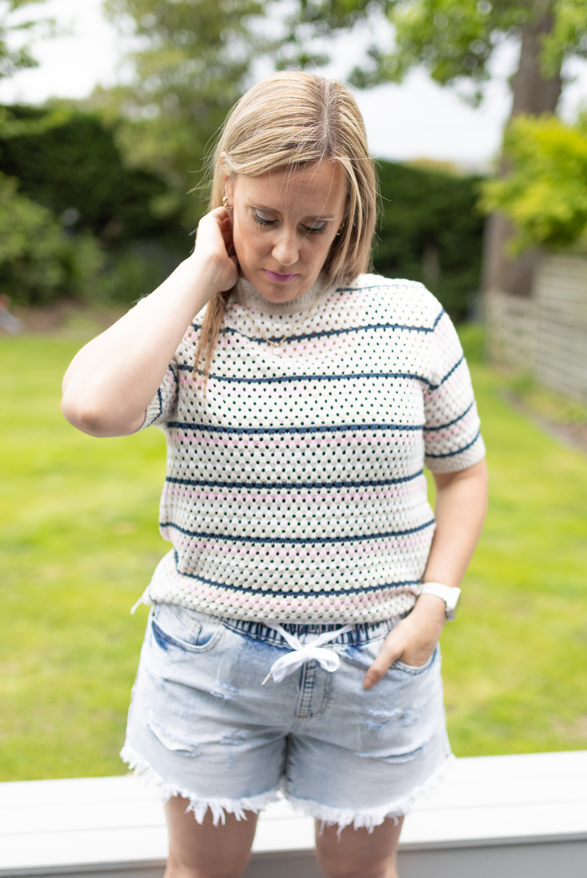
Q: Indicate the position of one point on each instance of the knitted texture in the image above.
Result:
(295, 490)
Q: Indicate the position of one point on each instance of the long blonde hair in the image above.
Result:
(292, 119)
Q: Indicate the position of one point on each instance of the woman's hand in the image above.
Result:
(412, 641)
(214, 249)
(461, 501)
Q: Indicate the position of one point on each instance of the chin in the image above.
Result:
(277, 292)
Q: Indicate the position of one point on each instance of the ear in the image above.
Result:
(229, 187)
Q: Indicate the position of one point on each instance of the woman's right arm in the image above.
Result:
(112, 380)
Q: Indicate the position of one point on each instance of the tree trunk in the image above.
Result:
(533, 94)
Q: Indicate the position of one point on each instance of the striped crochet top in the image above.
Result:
(295, 490)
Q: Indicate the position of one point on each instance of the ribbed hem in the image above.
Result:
(219, 807)
(371, 818)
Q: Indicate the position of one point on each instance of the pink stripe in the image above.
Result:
(399, 438)
(449, 432)
(214, 598)
(335, 495)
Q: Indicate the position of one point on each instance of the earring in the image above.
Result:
(224, 201)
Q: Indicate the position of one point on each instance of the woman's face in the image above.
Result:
(284, 223)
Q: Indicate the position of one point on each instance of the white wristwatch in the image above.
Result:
(450, 596)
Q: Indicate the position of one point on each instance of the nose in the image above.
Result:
(285, 248)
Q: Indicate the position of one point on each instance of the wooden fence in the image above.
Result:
(546, 334)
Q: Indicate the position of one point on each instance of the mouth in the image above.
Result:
(276, 276)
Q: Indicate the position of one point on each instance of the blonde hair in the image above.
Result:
(292, 119)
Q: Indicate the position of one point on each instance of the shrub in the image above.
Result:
(431, 231)
(38, 261)
(545, 191)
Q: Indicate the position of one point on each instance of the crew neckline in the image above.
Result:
(246, 294)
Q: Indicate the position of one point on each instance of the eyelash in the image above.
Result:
(264, 222)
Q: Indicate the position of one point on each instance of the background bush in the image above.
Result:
(78, 222)
(128, 223)
(431, 232)
(544, 192)
(38, 261)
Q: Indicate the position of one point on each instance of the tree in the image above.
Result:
(545, 190)
(18, 57)
(191, 66)
(455, 40)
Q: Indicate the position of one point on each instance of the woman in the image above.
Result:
(292, 644)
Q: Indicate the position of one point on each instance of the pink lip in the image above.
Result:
(280, 278)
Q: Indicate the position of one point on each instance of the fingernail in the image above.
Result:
(367, 683)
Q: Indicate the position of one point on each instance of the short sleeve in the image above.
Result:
(452, 434)
(165, 400)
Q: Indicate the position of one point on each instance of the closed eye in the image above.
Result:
(263, 221)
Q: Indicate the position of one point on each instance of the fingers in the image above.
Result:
(388, 654)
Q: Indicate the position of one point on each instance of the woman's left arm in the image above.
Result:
(461, 503)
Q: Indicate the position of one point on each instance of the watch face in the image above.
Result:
(453, 604)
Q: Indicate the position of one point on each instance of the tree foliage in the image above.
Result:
(191, 66)
(453, 39)
(545, 191)
(431, 231)
(15, 54)
(85, 225)
(69, 161)
(38, 261)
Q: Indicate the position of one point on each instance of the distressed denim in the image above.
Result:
(202, 725)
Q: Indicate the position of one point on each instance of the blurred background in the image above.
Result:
(476, 114)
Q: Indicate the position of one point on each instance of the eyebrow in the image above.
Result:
(274, 210)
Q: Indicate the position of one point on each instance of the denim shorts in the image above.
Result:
(201, 724)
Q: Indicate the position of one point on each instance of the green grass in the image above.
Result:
(78, 541)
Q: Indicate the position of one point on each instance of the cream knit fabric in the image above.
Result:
(295, 491)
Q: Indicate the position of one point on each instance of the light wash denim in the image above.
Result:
(202, 725)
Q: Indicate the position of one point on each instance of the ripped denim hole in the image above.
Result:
(172, 741)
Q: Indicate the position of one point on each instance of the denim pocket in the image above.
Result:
(415, 669)
(186, 629)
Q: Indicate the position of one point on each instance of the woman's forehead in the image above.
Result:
(314, 188)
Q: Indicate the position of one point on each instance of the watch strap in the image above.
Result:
(449, 594)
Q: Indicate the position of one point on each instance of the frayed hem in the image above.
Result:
(372, 818)
(218, 807)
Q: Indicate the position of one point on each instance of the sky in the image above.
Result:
(417, 119)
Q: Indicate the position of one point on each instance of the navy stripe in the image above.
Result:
(284, 379)
(438, 319)
(284, 541)
(450, 423)
(158, 415)
(271, 431)
(291, 486)
(459, 450)
(328, 332)
(447, 376)
(282, 593)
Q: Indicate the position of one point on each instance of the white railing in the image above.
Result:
(506, 816)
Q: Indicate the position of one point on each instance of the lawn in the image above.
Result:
(78, 541)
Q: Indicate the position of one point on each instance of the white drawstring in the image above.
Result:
(304, 652)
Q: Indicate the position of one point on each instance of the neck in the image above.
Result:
(246, 293)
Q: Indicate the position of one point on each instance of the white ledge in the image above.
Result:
(529, 811)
